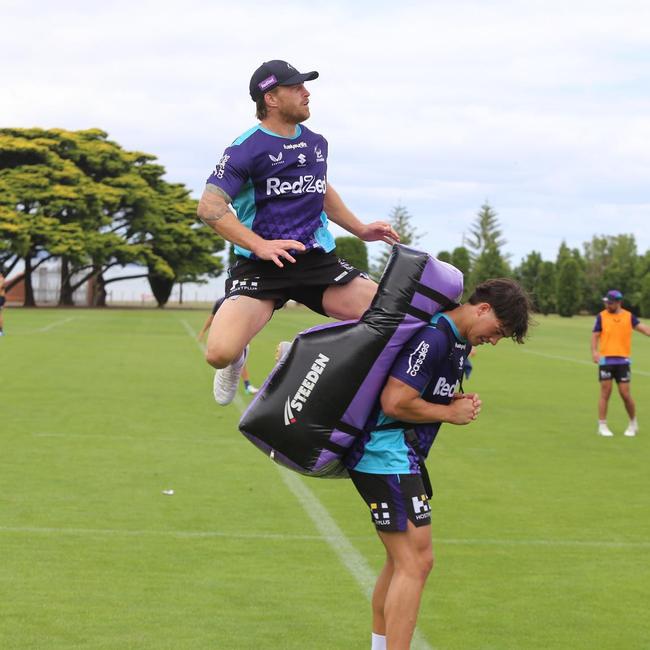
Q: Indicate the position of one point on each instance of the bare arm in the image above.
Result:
(644, 329)
(595, 338)
(341, 215)
(400, 401)
(206, 327)
(213, 210)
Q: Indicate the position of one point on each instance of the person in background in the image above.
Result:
(611, 347)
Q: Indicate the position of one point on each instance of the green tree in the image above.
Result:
(354, 251)
(644, 297)
(82, 198)
(484, 243)
(566, 253)
(461, 259)
(567, 288)
(40, 189)
(489, 264)
(484, 233)
(444, 256)
(545, 288)
(611, 262)
(526, 273)
(400, 219)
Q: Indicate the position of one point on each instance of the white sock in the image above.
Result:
(240, 362)
(378, 642)
(603, 422)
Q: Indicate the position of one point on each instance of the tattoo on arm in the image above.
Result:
(216, 212)
(213, 189)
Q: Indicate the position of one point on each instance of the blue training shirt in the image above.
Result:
(432, 362)
(277, 185)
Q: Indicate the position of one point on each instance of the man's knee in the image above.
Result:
(419, 565)
(219, 357)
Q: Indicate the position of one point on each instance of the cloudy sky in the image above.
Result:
(540, 108)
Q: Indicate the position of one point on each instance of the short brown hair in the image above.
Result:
(510, 302)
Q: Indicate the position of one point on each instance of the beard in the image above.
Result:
(295, 114)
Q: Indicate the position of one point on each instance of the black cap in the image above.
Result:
(276, 73)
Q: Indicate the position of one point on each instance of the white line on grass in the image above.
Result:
(351, 559)
(580, 361)
(54, 324)
(332, 536)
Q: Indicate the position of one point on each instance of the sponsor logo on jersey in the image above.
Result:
(417, 357)
(302, 160)
(307, 184)
(460, 346)
(444, 389)
(220, 169)
(380, 514)
(243, 285)
(276, 160)
(295, 145)
(305, 389)
(421, 507)
(319, 154)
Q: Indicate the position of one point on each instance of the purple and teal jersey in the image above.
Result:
(432, 363)
(277, 185)
(612, 360)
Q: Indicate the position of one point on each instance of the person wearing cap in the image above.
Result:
(270, 197)
(611, 346)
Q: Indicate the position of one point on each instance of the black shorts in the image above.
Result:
(2, 301)
(619, 371)
(305, 281)
(393, 499)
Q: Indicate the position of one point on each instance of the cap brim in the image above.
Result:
(299, 78)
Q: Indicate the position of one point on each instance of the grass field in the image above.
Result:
(541, 528)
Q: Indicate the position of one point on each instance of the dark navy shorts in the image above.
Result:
(2, 301)
(305, 281)
(618, 371)
(393, 499)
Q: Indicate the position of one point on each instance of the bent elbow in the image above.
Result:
(390, 407)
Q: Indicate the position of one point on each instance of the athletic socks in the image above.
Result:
(378, 642)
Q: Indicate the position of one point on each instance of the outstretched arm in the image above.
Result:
(213, 210)
(341, 215)
(402, 402)
(644, 329)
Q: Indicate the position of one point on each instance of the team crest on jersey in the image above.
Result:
(319, 154)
